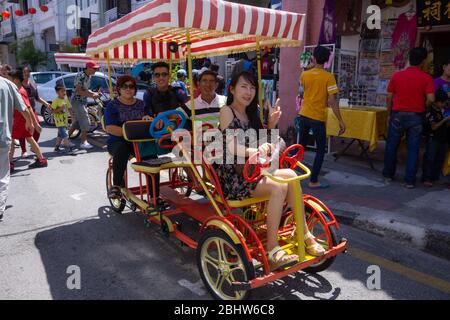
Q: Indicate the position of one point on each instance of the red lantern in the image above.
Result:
(32, 11)
(6, 14)
(77, 41)
(44, 8)
(18, 13)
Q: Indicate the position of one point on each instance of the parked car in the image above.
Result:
(98, 81)
(39, 78)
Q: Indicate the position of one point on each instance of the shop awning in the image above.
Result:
(79, 60)
(216, 28)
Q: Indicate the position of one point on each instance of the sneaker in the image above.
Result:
(86, 145)
(69, 149)
(409, 186)
(57, 149)
(39, 163)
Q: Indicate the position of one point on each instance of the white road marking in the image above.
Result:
(77, 196)
(196, 288)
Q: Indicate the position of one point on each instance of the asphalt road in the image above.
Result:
(59, 217)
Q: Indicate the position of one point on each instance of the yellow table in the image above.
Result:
(367, 124)
(446, 168)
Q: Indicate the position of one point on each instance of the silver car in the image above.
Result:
(39, 78)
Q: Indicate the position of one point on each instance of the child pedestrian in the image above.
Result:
(436, 127)
(60, 110)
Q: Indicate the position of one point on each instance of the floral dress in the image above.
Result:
(232, 181)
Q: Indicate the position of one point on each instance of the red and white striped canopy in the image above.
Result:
(216, 28)
(79, 60)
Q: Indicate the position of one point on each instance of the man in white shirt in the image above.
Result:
(208, 103)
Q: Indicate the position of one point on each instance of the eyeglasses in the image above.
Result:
(157, 75)
(128, 86)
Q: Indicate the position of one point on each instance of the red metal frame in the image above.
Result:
(252, 242)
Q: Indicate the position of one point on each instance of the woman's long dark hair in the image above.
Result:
(252, 108)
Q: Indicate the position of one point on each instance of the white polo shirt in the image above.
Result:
(204, 111)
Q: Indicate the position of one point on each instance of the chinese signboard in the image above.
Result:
(24, 26)
(433, 12)
(6, 26)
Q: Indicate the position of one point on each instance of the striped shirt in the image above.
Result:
(204, 111)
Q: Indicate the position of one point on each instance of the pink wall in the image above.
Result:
(290, 57)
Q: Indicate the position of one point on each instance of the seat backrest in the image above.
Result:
(137, 131)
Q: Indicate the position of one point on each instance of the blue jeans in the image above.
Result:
(433, 160)
(399, 124)
(304, 125)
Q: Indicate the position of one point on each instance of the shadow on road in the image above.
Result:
(119, 258)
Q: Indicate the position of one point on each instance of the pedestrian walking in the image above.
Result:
(10, 102)
(319, 92)
(20, 130)
(33, 97)
(60, 109)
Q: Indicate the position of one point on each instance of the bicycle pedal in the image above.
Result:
(151, 212)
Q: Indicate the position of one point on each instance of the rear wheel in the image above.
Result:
(220, 262)
(118, 205)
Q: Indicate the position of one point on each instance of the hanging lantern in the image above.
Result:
(44, 8)
(6, 14)
(77, 41)
(18, 13)
(32, 11)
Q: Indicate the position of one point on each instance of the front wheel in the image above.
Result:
(324, 234)
(222, 262)
(46, 113)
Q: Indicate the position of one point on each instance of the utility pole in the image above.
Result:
(101, 10)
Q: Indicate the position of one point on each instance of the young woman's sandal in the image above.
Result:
(278, 258)
(114, 193)
(312, 247)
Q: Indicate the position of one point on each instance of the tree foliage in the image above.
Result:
(28, 54)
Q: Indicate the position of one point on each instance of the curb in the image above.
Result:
(425, 238)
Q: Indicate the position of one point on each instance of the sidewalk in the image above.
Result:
(359, 197)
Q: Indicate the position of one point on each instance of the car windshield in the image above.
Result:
(69, 82)
(41, 78)
(99, 82)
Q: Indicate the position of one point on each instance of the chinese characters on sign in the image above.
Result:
(433, 12)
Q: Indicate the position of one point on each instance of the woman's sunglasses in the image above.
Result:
(128, 86)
